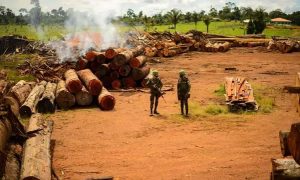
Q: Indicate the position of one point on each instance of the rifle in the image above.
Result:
(161, 93)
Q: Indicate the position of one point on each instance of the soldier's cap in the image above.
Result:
(155, 72)
(181, 72)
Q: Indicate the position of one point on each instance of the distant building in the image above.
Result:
(246, 21)
(280, 21)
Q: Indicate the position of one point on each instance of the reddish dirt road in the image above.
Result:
(128, 144)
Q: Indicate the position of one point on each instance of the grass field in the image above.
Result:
(232, 28)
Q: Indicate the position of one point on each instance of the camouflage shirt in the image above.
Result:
(155, 85)
(183, 86)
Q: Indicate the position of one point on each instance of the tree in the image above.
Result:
(295, 18)
(207, 22)
(236, 14)
(259, 20)
(174, 16)
(188, 17)
(277, 13)
(195, 18)
(246, 12)
(213, 12)
(250, 27)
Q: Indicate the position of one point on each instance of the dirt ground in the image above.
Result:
(129, 144)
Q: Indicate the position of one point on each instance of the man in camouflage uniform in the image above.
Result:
(183, 91)
(155, 86)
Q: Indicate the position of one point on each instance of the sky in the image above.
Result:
(119, 7)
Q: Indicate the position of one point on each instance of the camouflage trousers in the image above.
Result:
(154, 101)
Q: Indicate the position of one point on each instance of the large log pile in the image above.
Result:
(239, 94)
(118, 68)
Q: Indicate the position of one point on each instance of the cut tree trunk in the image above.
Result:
(36, 163)
(63, 97)
(106, 80)
(12, 166)
(81, 64)
(92, 83)
(114, 75)
(150, 51)
(283, 169)
(73, 82)
(123, 58)
(100, 58)
(83, 97)
(138, 61)
(46, 103)
(29, 105)
(21, 91)
(294, 142)
(106, 100)
(5, 133)
(140, 73)
(129, 82)
(102, 70)
(91, 55)
(110, 53)
(139, 50)
(124, 70)
(116, 84)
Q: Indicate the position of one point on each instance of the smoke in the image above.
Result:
(90, 29)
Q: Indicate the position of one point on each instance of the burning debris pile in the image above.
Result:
(239, 94)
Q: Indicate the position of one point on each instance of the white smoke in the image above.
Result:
(89, 29)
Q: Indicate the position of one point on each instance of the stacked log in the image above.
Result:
(83, 97)
(63, 98)
(29, 105)
(36, 161)
(46, 103)
(73, 82)
(93, 84)
(106, 100)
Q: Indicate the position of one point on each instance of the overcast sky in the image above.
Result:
(151, 6)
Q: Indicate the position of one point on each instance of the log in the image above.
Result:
(285, 169)
(81, 64)
(100, 58)
(139, 50)
(113, 66)
(124, 70)
(140, 73)
(29, 105)
(63, 97)
(114, 75)
(102, 70)
(91, 55)
(36, 162)
(138, 61)
(168, 52)
(106, 100)
(92, 83)
(5, 133)
(292, 89)
(83, 97)
(256, 44)
(129, 82)
(283, 136)
(150, 51)
(116, 84)
(21, 91)
(294, 142)
(106, 80)
(46, 103)
(224, 47)
(272, 45)
(123, 58)
(12, 165)
(110, 53)
(73, 82)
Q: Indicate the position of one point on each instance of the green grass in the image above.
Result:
(10, 64)
(221, 91)
(264, 97)
(230, 28)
